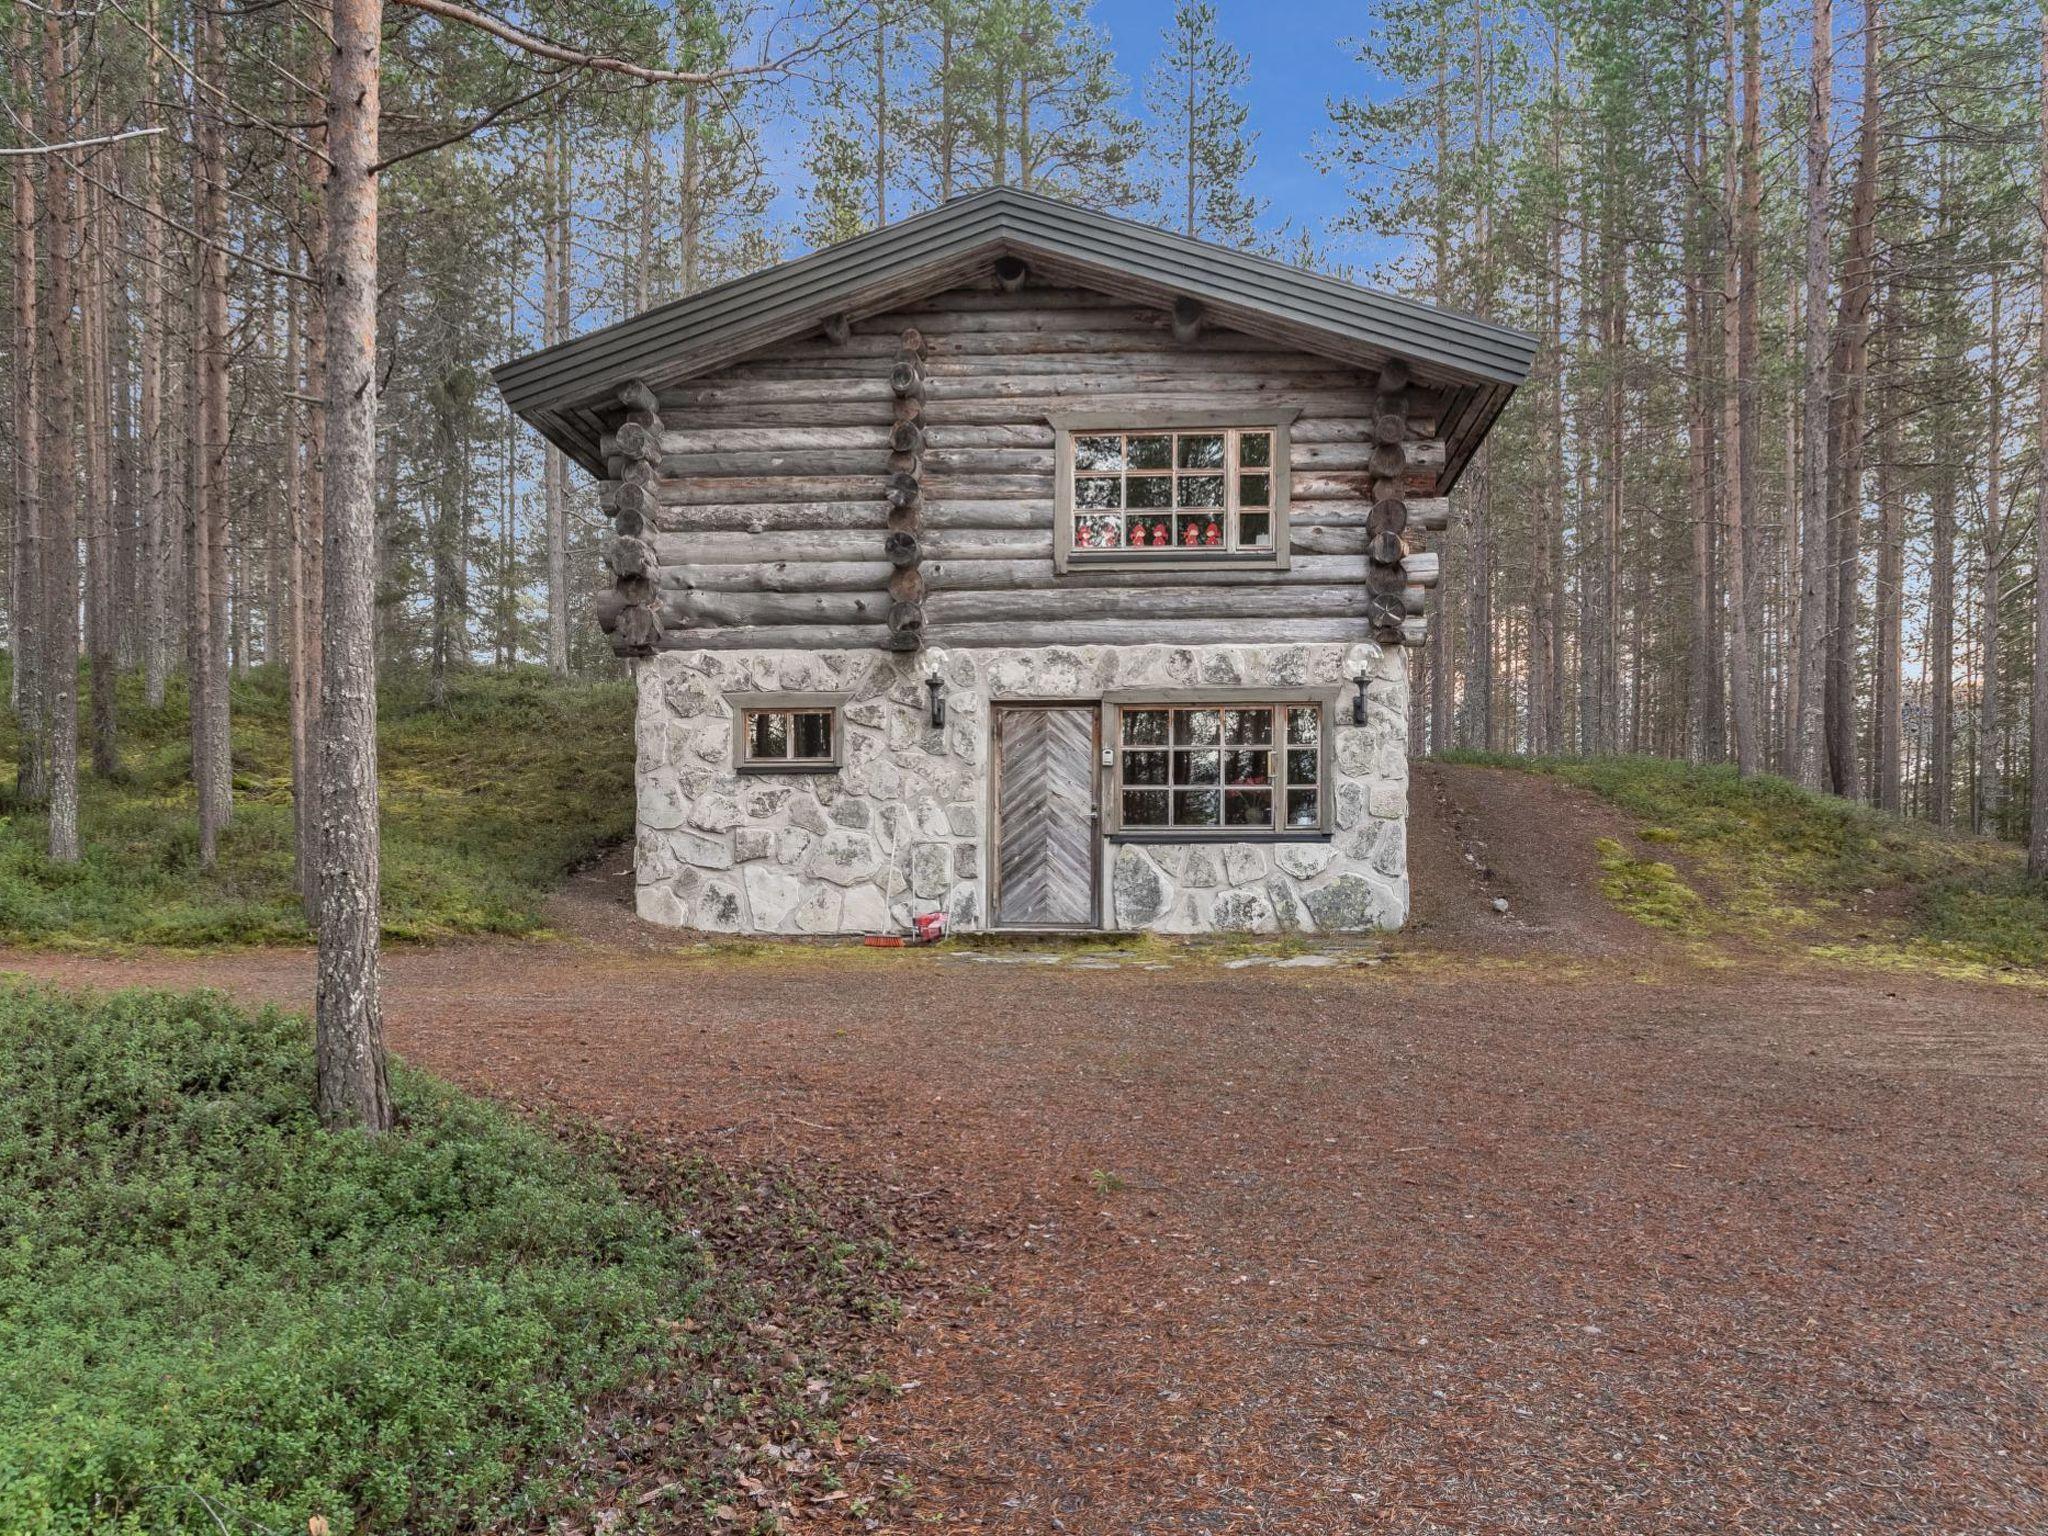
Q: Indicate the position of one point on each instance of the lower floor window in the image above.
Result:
(795, 733)
(1223, 768)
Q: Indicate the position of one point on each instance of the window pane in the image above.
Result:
(1304, 726)
(1254, 490)
(1097, 530)
(1144, 807)
(767, 735)
(1248, 727)
(1198, 530)
(1254, 531)
(812, 735)
(1197, 727)
(1144, 767)
(1199, 491)
(1149, 532)
(1098, 492)
(1301, 808)
(1248, 768)
(1301, 765)
(1201, 451)
(1145, 727)
(1152, 453)
(1199, 767)
(1255, 449)
(1248, 808)
(1098, 453)
(1195, 807)
(1150, 491)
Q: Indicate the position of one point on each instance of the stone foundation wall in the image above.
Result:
(900, 828)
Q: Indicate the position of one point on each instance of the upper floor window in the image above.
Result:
(1187, 493)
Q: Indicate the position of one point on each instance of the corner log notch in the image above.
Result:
(904, 546)
(631, 611)
(1398, 577)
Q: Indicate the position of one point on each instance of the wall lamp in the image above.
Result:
(937, 687)
(1358, 702)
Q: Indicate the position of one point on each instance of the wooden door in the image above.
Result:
(1045, 816)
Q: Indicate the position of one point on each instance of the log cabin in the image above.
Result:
(1023, 564)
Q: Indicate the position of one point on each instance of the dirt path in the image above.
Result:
(1606, 1242)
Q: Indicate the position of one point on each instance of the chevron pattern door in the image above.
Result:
(1045, 817)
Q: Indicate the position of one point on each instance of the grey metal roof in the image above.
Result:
(569, 391)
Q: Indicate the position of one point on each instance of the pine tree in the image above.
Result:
(1199, 134)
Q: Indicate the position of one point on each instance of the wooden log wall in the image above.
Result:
(632, 612)
(889, 482)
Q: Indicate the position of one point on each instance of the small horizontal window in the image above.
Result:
(1173, 495)
(787, 733)
(1223, 769)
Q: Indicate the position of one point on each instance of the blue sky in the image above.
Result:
(1298, 62)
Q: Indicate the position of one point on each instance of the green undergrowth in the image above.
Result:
(487, 802)
(217, 1317)
(1763, 859)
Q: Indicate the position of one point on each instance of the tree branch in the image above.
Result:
(53, 149)
(541, 47)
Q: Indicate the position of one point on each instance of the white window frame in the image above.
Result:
(1072, 424)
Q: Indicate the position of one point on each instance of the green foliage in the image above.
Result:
(1199, 132)
(487, 801)
(1777, 856)
(211, 1310)
(1648, 889)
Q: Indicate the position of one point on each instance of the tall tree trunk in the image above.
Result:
(1859, 286)
(554, 327)
(32, 761)
(154, 533)
(1738, 423)
(2037, 795)
(2038, 732)
(881, 114)
(60, 543)
(1810, 725)
(96, 271)
(1887, 686)
(1941, 609)
(207, 522)
(349, 1029)
(311, 543)
(1990, 795)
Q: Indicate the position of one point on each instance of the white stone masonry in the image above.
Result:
(900, 828)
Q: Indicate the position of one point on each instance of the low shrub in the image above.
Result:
(214, 1315)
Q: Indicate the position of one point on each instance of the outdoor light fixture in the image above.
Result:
(1358, 704)
(938, 690)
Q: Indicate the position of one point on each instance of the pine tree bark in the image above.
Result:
(353, 1088)
(32, 762)
(1849, 458)
(60, 542)
(154, 532)
(554, 327)
(2037, 794)
(1887, 686)
(1990, 794)
(1738, 418)
(96, 277)
(1810, 723)
(207, 519)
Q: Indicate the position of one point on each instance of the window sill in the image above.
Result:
(1179, 560)
(1215, 835)
(785, 768)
